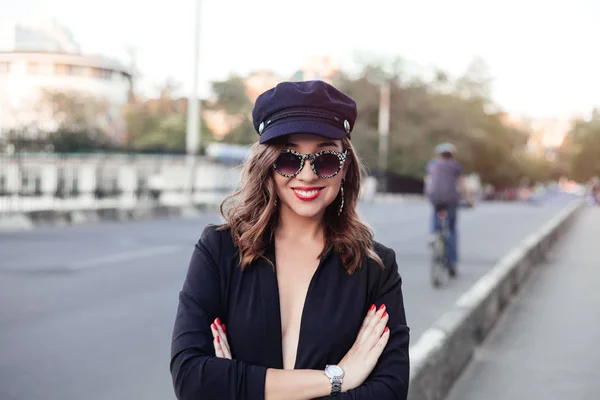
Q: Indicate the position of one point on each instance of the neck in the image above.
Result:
(291, 225)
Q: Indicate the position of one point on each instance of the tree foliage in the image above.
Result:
(581, 148)
(160, 124)
(423, 113)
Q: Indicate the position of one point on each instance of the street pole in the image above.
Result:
(384, 131)
(193, 117)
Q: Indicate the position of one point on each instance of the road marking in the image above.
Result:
(120, 257)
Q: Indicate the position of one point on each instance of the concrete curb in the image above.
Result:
(443, 351)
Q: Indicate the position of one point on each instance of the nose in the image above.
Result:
(307, 174)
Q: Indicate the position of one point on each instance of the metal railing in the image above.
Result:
(50, 181)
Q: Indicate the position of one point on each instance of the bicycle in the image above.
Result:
(440, 266)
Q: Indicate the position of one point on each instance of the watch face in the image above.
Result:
(334, 371)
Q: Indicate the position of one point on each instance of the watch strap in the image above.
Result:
(336, 386)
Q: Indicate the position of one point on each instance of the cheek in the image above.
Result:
(334, 188)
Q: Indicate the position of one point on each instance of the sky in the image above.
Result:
(541, 54)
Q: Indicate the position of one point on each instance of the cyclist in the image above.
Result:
(595, 191)
(443, 181)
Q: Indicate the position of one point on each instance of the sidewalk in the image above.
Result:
(547, 345)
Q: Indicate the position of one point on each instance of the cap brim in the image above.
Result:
(302, 126)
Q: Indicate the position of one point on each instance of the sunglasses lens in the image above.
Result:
(288, 163)
(327, 164)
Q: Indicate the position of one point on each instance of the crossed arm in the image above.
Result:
(377, 366)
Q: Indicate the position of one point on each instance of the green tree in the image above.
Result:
(583, 144)
(83, 122)
(230, 97)
(160, 124)
(423, 114)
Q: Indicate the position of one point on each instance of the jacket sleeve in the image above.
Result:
(389, 378)
(197, 373)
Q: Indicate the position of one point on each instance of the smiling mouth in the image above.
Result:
(307, 194)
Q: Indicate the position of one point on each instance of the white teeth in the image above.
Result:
(305, 193)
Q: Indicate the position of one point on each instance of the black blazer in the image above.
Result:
(248, 303)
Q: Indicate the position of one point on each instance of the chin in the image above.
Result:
(308, 211)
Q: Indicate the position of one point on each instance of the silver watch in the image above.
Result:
(335, 374)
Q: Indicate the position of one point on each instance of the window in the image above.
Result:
(67, 69)
(3, 186)
(77, 70)
(32, 68)
(67, 182)
(62, 69)
(102, 73)
(4, 67)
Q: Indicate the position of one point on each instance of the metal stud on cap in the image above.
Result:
(261, 127)
(347, 126)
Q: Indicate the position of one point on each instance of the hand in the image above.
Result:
(220, 340)
(364, 354)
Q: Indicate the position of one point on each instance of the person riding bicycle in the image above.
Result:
(442, 182)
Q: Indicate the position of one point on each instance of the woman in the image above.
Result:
(292, 298)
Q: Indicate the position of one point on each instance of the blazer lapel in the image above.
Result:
(271, 309)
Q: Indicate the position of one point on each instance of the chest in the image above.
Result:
(298, 317)
(294, 273)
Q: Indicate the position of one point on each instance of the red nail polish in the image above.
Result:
(386, 329)
(384, 314)
(218, 339)
(223, 326)
(218, 321)
(213, 326)
(372, 307)
(381, 307)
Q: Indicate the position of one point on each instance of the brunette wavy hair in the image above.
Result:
(251, 212)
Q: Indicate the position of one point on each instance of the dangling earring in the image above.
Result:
(275, 202)
(342, 202)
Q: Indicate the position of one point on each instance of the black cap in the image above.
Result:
(303, 107)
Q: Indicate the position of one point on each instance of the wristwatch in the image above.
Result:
(335, 374)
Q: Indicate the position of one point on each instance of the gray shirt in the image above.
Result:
(443, 181)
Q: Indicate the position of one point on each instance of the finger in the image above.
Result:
(214, 330)
(217, 329)
(381, 343)
(223, 336)
(226, 351)
(372, 323)
(370, 317)
(218, 350)
(225, 339)
(370, 313)
(377, 331)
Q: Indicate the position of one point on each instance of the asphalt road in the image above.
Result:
(545, 345)
(86, 312)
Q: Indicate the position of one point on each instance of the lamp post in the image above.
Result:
(384, 130)
(193, 131)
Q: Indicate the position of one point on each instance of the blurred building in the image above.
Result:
(259, 82)
(546, 135)
(323, 68)
(41, 58)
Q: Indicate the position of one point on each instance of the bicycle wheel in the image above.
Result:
(438, 261)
